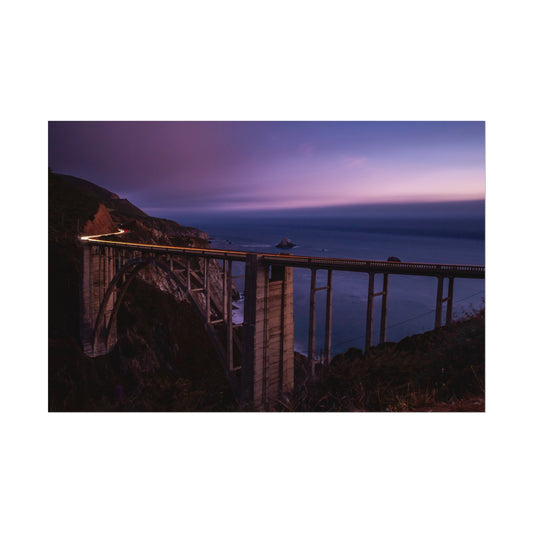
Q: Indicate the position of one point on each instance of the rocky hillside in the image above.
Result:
(440, 370)
(164, 359)
(116, 212)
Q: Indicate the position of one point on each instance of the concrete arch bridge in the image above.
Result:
(260, 366)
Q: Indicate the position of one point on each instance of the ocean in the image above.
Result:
(452, 233)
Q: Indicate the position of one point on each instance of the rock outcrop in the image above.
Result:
(285, 243)
(100, 223)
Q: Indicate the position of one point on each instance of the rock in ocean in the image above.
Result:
(285, 243)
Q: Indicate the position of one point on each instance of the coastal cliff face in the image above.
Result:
(100, 223)
(114, 212)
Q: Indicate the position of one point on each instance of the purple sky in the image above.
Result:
(263, 165)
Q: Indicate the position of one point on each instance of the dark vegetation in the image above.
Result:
(69, 207)
(440, 370)
(164, 360)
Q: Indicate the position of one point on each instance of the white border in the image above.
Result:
(279, 60)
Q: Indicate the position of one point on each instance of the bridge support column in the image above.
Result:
(228, 313)
(88, 311)
(329, 310)
(441, 300)
(224, 289)
(207, 291)
(384, 301)
(438, 306)
(112, 336)
(268, 333)
(98, 269)
(369, 311)
(449, 302)
(311, 332)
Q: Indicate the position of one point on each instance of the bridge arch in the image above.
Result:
(104, 329)
(259, 364)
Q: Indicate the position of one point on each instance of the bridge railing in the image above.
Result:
(354, 265)
(162, 249)
(357, 265)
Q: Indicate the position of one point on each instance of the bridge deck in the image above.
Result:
(319, 263)
(266, 351)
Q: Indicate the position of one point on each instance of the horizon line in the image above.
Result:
(219, 210)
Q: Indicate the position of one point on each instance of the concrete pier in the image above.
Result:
(440, 300)
(228, 313)
(98, 298)
(370, 310)
(311, 335)
(329, 317)
(268, 331)
(449, 302)
(384, 301)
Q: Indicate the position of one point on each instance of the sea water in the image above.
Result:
(434, 233)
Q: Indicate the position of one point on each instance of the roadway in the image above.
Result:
(317, 263)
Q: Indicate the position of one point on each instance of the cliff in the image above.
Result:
(100, 223)
(164, 359)
(105, 212)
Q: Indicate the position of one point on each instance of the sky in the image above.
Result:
(247, 166)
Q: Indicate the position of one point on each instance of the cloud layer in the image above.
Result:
(268, 165)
